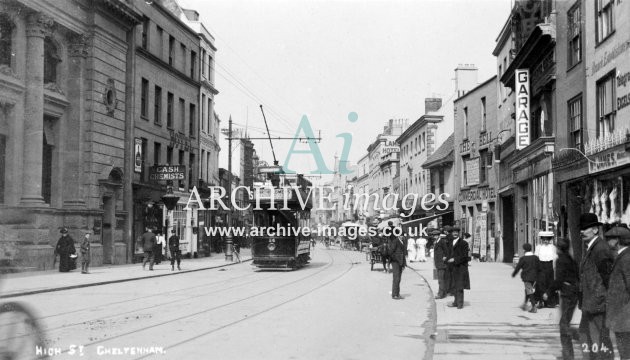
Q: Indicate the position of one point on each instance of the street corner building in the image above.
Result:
(77, 139)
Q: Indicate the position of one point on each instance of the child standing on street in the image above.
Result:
(85, 254)
(529, 263)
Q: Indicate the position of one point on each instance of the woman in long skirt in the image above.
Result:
(411, 249)
(421, 252)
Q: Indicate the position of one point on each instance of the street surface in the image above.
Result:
(334, 308)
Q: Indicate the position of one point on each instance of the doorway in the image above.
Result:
(108, 220)
(508, 228)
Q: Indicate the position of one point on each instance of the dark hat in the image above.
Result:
(588, 220)
(63, 230)
(618, 232)
(455, 228)
(563, 244)
(448, 228)
(435, 232)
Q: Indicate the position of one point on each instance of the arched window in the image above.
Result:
(6, 33)
(51, 59)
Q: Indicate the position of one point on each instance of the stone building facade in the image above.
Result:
(63, 116)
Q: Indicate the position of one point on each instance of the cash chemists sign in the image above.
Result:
(522, 108)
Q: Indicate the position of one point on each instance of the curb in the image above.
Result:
(70, 287)
(430, 325)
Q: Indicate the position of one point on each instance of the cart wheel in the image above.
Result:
(20, 333)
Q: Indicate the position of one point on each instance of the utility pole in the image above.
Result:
(228, 238)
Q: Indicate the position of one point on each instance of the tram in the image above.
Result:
(281, 242)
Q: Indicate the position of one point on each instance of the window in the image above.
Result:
(182, 183)
(183, 56)
(193, 63)
(171, 50)
(441, 180)
(465, 160)
(169, 110)
(501, 88)
(575, 122)
(465, 122)
(6, 33)
(483, 114)
(203, 62)
(145, 33)
(157, 111)
(211, 69)
(606, 105)
(575, 34)
(210, 115)
(144, 98)
(483, 170)
(191, 161)
(191, 120)
(603, 19)
(202, 171)
(424, 142)
(157, 152)
(169, 155)
(182, 115)
(160, 42)
(203, 112)
(51, 59)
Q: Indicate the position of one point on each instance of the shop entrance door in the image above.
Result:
(509, 238)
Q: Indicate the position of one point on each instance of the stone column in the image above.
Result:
(72, 131)
(38, 26)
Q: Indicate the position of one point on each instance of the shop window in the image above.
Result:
(51, 60)
(6, 34)
(604, 19)
(574, 47)
(575, 122)
(606, 105)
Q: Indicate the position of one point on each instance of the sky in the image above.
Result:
(326, 59)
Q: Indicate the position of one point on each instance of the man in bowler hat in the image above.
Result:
(594, 276)
(618, 297)
(458, 263)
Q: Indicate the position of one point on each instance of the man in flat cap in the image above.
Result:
(618, 297)
(594, 275)
(458, 263)
(65, 248)
(546, 253)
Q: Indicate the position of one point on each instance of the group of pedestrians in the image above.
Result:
(451, 255)
(599, 286)
(67, 252)
(149, 241)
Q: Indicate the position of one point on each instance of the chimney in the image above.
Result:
(432, 105)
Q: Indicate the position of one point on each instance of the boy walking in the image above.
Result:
(529, 264)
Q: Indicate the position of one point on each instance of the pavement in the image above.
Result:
(36, 282)
(492, 325)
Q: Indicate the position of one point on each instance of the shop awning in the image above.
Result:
(424, 220)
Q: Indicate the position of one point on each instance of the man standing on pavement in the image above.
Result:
(448, 275)
(396, 250)
(148, 242)
(567, 282)
(594, 275)
(618, 298)
(439, 260)
(176, 253)
(546, 253)
(458, 262)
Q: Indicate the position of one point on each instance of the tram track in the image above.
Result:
(212, 308)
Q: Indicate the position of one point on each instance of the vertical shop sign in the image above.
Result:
(522, 108)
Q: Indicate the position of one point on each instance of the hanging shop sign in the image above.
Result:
(609, 159)
(522, 108)
(167, 172)
(138, 155)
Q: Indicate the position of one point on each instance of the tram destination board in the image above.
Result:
(167, 172)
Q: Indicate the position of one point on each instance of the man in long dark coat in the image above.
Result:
(397, 251)
(458, 263)
(148, 243)
(448, 274)
(439, 260)
(65, 248)
(618, 297)
(594, 275)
